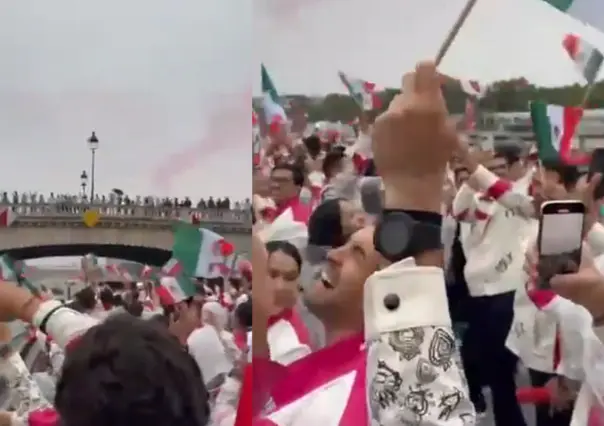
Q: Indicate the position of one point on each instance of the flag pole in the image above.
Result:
(461, 19)
(586, 95)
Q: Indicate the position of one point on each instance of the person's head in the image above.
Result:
(336, 298)
(461, 174)
(332, 222)
(286, 182)
(333, 163)
(107, 298)
(214, 314)
(507, 160)
(128, 371)
(555, 180)
(86, 298)
(243, 315)
(135, 308)
(504, 158)
(313, 146)
(284, 268)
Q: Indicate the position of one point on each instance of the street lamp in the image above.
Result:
(93, 144)
(84, 182)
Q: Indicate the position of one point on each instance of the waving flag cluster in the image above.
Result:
(363, 92)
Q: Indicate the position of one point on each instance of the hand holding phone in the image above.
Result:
(560, 239)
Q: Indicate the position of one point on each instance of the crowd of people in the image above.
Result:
(120, 199)
(190, 356)
(394, 280)
(418, 285)
(116, 204)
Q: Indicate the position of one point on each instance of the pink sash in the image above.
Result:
(596, 416)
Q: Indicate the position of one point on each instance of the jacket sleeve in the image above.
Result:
(413, 363)
(502, 191)
(465, 205)
(62, 324)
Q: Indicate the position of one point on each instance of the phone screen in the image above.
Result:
(559, 244)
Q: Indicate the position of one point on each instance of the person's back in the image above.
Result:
(125, 372)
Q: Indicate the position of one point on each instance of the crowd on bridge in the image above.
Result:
(118, 198)
(119, 204)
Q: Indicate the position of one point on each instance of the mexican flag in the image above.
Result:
(172, 290)
(363, 92)
(172, 268)
(274, 114)
(588, 60)
(197, 249)
(590, 12)
(554, 127)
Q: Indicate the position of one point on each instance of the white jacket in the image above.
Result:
(499, 215)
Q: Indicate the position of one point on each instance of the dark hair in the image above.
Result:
(296, 171)
(86, 298)
(107, 297)
(118, 300)
(510, 149)
(313, 146)
(568, 175)
(128, 371)
(325, 225)
(287, 248)
(331, 161)
(243, 313)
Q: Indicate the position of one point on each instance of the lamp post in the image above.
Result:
(84, 182)
(93, 144)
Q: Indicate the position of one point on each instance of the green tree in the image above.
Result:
(504, 96)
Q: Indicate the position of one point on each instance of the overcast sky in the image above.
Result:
(305, 42)
(164, 84)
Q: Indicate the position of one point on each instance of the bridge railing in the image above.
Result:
(48, 210)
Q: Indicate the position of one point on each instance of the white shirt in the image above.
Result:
(209, 353)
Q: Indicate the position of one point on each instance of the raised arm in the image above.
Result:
(465, 205)
(502, 191)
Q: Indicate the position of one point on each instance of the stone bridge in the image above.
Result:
(137, 233)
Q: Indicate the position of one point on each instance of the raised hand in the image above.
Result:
(414, 137)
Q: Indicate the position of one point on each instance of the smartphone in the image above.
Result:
(597, 166)
(560, 239)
